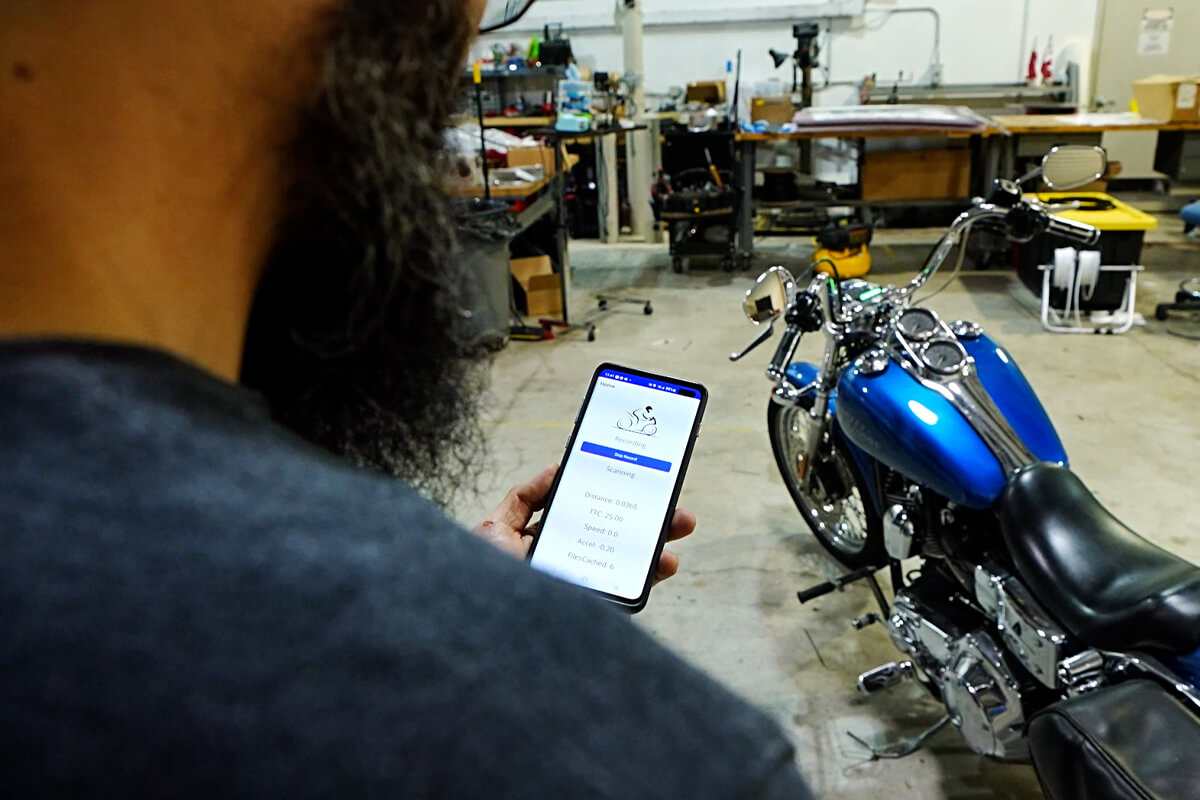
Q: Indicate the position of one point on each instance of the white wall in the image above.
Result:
(982, 41)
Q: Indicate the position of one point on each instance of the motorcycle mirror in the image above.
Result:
(769, 296)
(1071, 166)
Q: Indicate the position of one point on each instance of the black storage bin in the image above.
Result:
(1122, 231)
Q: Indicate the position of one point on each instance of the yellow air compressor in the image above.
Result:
(845, 244)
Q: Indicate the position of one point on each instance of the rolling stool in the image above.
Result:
(1187, 298)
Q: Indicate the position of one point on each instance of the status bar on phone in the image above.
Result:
(649, 383)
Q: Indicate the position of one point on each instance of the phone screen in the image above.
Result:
(618, 482)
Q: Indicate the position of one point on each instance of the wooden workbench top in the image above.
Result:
(506, 191)
(861, 132)
(1005, 123)
(1084, 123)
(517, 122)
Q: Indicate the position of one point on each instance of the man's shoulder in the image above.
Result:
(142, 431)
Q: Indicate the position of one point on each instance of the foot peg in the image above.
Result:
(885, 677)
(838, 584)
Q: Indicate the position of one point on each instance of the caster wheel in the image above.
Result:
(603, 304)
(744, 261)
(648, 309)
(677, 265)
(727, 265)
(591, 334)
(1161, 314)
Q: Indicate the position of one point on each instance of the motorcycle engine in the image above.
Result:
(949, 641)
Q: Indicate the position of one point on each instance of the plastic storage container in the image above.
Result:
(1122, 229)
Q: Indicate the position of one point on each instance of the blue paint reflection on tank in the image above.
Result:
(1016, 399)
(915, 430)
(893, 418)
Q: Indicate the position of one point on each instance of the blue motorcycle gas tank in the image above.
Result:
(915, 430)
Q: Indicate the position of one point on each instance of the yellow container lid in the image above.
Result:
(1121, 217)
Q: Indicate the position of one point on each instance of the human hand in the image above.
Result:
(508, 526)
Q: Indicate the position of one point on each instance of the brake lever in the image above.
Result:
(762, 337)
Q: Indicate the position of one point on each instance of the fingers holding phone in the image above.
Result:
(510, 528)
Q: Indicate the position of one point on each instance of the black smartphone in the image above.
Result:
(611, 504)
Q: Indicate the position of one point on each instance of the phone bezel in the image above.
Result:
(633, 605)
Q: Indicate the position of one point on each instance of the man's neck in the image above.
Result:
(140, 182)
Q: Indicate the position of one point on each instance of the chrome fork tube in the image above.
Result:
(820, 410)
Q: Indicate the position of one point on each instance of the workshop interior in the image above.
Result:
(945, 575)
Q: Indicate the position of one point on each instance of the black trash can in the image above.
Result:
(485, 228)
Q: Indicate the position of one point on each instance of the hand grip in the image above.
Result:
(785, 350)
(1076, 231)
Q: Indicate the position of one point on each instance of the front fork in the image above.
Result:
(823, 388)
(819, 412)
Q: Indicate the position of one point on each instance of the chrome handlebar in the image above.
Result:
(825, 288)
(961, 223)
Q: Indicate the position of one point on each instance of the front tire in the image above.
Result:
(836, 506)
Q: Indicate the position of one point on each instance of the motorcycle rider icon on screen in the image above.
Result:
(639, 421)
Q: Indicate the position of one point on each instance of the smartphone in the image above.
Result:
(611, 504)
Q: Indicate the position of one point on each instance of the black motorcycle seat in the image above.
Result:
(1108, 586)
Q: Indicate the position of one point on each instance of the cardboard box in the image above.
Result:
(710, 92)
(916, 174)
(540, 285)
(772, 110)
(1170, 98)
(532, 156)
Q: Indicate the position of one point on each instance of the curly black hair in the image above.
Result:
(359, 335)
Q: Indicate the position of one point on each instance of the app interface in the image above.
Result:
(612, 498)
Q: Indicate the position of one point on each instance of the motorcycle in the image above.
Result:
(1049, 631)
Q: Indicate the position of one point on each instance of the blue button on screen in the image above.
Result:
(625, 456)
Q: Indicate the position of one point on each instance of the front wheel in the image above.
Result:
(835, 505)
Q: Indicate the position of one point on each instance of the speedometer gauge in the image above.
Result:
(917, 324)
(944, 356)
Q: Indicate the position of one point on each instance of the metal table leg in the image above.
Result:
(746, 159)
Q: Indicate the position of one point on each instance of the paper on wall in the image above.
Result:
(1155, 36)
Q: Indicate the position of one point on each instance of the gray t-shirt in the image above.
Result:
(195, 603)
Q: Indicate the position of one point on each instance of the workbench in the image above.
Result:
(999, 145)
(746, 148)
(1030, 135)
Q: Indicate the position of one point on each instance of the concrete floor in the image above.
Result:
(1125, 407)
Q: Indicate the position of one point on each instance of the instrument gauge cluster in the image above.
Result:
(918, 324)
(944, 356)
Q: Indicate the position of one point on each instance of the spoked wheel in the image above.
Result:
(835, 505)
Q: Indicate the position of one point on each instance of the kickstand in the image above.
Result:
(904, 747)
